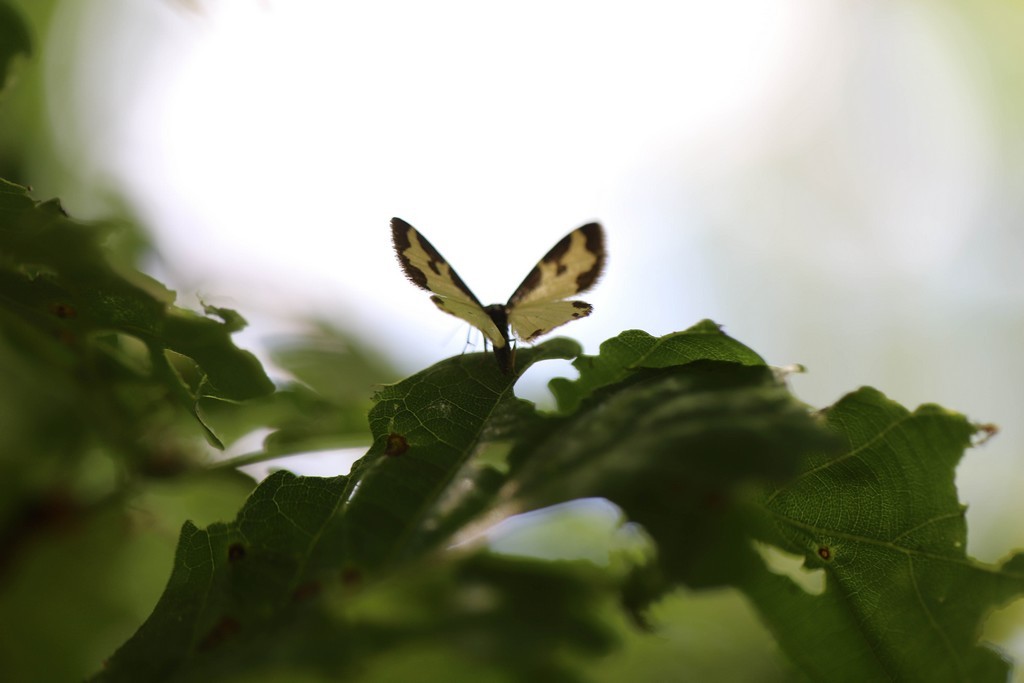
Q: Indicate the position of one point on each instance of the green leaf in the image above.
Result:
(523, 619)
(248, 586)
(295, 532)
(468, 619)
(675, 448)
(232, 575)
(358, 574)
(15, 40)
(78, 579)
(59, 288)
(635, 349)
(882, 520)
(229, 373)
(425, 429)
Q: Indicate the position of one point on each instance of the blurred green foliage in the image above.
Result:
(104, 448)
(14, 40)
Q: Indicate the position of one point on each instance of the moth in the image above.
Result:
(538, 305)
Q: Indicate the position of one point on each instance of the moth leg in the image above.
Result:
(471, 340)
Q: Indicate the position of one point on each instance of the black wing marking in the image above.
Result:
(427, 269)
(572, 266)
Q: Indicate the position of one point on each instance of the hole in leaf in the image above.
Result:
(792, 566)
(591, 529)
(1004, 628)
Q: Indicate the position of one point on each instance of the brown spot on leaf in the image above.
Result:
(825, 553)
(350, 576)
(63, 310)
(396, 445)
(236, 552)
(165, 461)
(224, 630)
(307, 590)
(715, 501)
(57, 511)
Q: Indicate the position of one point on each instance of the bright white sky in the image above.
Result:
(824, 178)
(270, 143)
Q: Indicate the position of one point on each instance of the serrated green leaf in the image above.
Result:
(241, 596)
(231, 576)
(881, 518)
(58, 285)
(334, 577)
(229, 372)
(635, 349)
(295, 532)
(673, 448)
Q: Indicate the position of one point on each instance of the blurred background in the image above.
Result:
(837, 183)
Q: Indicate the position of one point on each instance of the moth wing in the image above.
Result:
(427, 269)
(424, 266)
(570, 267)
(474, 314)
(531, 320)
